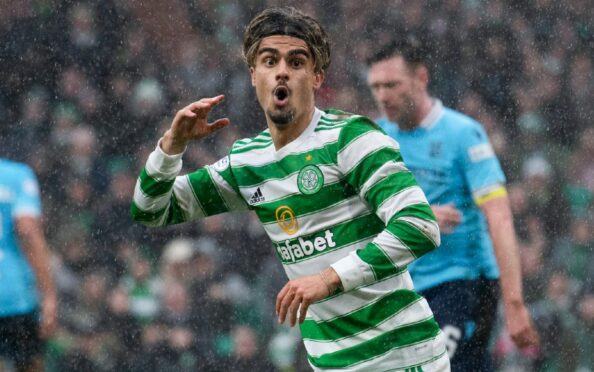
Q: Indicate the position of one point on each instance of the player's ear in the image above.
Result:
(422, 74)
(318, 79)
(253, 76)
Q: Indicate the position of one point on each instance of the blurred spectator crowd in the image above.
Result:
(87, 88)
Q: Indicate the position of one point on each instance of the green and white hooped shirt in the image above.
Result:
(339, 195)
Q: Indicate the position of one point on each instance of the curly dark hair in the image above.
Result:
(290, 22)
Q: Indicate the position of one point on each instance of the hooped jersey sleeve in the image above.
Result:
(372, 165)
(162, 197)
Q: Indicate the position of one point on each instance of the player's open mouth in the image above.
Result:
(281, 95)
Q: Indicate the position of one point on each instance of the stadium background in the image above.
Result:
(86, 88)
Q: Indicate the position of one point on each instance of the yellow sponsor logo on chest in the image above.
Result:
(285, 217)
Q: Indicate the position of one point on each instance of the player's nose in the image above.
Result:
(282, 70)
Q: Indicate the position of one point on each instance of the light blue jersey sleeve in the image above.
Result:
(27, 201)
(481, 167)
(485, 179)
(19, 197)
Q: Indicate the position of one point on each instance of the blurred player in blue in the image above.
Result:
(452, 159)
(27, 294)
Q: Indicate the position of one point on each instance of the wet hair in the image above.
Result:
(287, 21)
(414, 52)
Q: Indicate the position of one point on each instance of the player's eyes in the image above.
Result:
(389, 85)
(269, 61)
(297, 62)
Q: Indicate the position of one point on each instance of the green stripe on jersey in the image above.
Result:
(418, 243)
(336, 115)
(400, 337)
(145, 216)
(389, 186)
(175, 214)
(261, 141)
(206, 192)
(262, 137)
(361, 320)
(359, 174)
(325, 125)
(229, 177)
(420, 210)
(251, 147)
(290, 164)
(354, 130)
(380, 264)
(153, 188)
(327, 197)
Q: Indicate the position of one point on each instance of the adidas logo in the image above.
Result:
(257, 197)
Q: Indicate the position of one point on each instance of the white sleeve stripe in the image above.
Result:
(163, 167)
(188, 202)
(361, 147)
(395, 203)
(400, 254)
(183, 193)
(150, 203)
(385, 170)
(353, 271)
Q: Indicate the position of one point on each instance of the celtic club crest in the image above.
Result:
(310, 179)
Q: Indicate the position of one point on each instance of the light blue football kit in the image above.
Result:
(19, 196)
(453, 161)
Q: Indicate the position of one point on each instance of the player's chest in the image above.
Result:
(432, 160)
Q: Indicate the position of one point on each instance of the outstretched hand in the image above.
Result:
(191, 122)
(296, 296)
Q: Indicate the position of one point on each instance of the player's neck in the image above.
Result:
(423, 108)
(284, 134)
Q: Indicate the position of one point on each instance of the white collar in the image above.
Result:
(434, 115)
(303, 136)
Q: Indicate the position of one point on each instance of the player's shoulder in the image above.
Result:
(456, 121)
(260, 141)
(346, 124)
(14, 170)
(338, 118)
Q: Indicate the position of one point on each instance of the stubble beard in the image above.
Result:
(281, 118)
(407, 115)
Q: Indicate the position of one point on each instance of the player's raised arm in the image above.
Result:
(161, 197)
